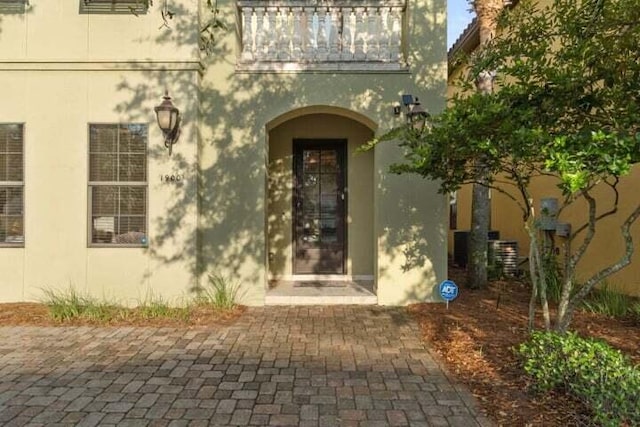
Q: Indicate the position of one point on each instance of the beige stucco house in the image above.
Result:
(264, 185)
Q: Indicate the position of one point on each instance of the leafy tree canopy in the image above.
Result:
(568, 101)
(567, 104)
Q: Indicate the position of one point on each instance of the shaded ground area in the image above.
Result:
(298, 366)
(475, 337)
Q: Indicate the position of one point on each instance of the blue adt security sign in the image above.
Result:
(448, 290)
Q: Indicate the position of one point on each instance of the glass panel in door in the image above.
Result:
(319, 207)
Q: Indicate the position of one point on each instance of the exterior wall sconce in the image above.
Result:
(168, 120)
(415, 115)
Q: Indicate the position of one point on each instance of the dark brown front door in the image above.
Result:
(319, 206)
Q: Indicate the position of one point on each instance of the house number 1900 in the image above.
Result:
(171, 178)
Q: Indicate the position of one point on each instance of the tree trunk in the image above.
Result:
(542, 281)
(533, 274)
(478, 239)
(487, 14)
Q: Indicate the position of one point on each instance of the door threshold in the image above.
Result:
(322, 277)
(320, 292)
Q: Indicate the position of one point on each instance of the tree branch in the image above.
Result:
(607, 271)
(611, 211)
(591, 231)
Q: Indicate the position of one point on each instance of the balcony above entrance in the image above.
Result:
(338, 35)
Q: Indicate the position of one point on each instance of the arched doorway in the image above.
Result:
(320, 197)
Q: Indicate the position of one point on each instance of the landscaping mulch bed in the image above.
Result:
(36, 314)
(475, 338)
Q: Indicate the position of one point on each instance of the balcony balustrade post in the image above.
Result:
(272, 52)
(395, 39)
(297, 34)
(347, 34)
(360, 35)
(284, 35)
(247, 36)
(384, 34)
(323, 20)
(373, 33)
(308, 34)
(260, 34)
(335, 35)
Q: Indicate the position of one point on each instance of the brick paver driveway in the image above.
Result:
(308, 366)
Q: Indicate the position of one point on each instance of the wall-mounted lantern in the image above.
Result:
(415, 115)
(168, 120)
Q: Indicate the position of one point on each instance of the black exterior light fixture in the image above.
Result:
(168, 120)
(415, 115)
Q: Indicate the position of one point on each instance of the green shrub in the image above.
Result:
(608, 302)
(589, 369)
(220, 293)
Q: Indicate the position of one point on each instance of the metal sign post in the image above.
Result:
(448, 291)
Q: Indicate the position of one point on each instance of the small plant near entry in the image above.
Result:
(608, 302)
(71, 304)
(156, 307)
(220, 292)
(590, 370)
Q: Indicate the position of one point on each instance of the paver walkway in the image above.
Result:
(307, 366)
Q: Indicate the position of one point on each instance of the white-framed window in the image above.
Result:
(118, 184)
(11, 184)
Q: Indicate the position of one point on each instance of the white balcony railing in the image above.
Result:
(321, 34)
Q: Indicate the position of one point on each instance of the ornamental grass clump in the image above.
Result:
(607, 301)
(154, 306)
(220, 293)
(70, 304)
(589, 369)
